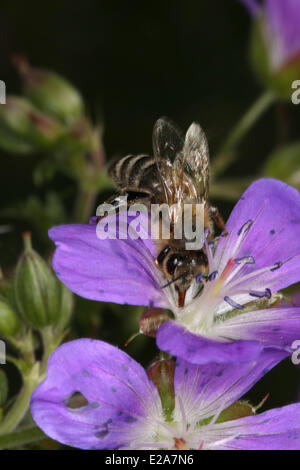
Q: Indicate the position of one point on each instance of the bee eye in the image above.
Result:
(172, 262)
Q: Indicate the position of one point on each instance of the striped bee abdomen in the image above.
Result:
(137, 172)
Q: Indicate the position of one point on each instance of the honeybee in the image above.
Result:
(176, 174)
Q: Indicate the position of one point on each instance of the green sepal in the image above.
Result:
(37, 293)
(162, 375)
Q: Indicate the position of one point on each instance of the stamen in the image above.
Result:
(240, 265)
(184, 421)
(276, 266)
(209, 255)
(212, 276)
(199, 278)
(260, 295)
(228, 268)
(257, 273)
(244, 228)
(245, 260)
(206, 232)
(232, 303)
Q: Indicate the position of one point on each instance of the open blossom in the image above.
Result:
(280, 27)
(123, 409)
(228, 317)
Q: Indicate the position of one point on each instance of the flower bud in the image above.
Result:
(9, 321)
(49, 92)
(162, 375)
(36, 290)
(275, 54)
(151, 320)
(23, 128)
(14, 144)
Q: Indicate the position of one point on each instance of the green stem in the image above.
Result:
(21, 438)
(226, 155)
(21, 405)
(51, 340)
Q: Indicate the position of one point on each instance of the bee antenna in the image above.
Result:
(174, 280)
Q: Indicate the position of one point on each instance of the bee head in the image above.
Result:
(184, 268)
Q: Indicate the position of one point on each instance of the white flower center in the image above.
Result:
(229, 286)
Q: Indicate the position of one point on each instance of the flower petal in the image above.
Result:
(209, 388)
(116, 388)
(283, 21)
(274, 236)
(108, 270)
(252, 6)
(272, 327)
(176, 340)
(277, 429)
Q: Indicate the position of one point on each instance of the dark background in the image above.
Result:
(133, 62)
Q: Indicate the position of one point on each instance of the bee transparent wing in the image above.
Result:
(167, 140)
(196, 159)
(167, 146)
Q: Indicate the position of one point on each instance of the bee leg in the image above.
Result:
(116, 202)
(218, 220)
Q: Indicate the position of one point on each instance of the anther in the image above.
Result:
(244, 228)
(267, 293)
(212, 276)
(276, 266)
(232, 303)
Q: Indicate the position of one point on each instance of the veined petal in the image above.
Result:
(272, 209)
(116, 388)
(277, 429)
(176, 340)
(272, 327)
(119, 271)
(207, 388)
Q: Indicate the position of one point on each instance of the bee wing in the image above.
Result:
(167, 146)
(167, 140)
(196, 159)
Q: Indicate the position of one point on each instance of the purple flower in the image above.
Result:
(123, 410)
(281, 28)
(234, 315)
